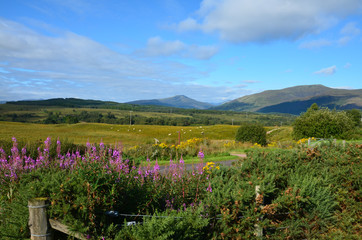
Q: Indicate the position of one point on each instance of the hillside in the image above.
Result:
(295, 100)
(71, 110)
(179, 101)
(63, 102)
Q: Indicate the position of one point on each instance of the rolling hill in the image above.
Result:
(295, 100)
(179, 101)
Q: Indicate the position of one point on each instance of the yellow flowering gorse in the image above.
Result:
(210, 166)
(304, 140)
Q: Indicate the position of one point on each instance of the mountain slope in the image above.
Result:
(297, 99)
(63, 102)
(179, 101)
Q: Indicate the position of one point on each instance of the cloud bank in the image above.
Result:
(327, 71)
(34, 66)
(347, 33)
(159, 47)
(267, 20)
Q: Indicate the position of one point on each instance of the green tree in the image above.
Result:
(251, 132)
(355, 115)
(323, 123)
(313, 107)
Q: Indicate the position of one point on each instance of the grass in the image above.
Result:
(38, 113)
(111, 133)
(196, 160)
(277, 134)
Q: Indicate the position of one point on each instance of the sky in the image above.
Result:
(211, 50)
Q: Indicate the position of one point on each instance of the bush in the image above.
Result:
(355, 115)
(251, 132)
(323, 123)
(304, 193)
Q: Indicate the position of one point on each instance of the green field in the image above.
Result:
(111, 133)
(77, 110)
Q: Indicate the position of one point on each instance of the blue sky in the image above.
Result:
(210, 50)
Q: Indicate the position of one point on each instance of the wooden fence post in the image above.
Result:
(38, 220)
(344, 143)
(258, 230)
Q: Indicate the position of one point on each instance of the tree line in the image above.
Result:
(136, 119)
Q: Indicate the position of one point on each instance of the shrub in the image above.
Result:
(355, 115)
(186, 224)
(251, 132)
(323, 123)
(304, 193)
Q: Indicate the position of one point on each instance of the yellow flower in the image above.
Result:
(209, 166)
(134, 148)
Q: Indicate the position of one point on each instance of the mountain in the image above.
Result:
(179, 101)
(63, 102)
(295, 100)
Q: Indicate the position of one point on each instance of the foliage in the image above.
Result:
(254, 133)
(79, 187)
(323, 123)
(130, 136)
(305, 193)
(185, 224)
(355, 115)
(32, 149)
(70, 111)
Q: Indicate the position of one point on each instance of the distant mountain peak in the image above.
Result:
(296, 99)
(179, 101)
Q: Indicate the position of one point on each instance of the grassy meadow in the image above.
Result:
(69, 111)
(111, 133)
(306, 191)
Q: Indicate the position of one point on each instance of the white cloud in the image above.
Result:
(267, 20)
(327, 71)
(37, 66)
(240, 86)
(159, 47)
(350, 29)
(344, 40)
(348, 32)
(315, 44)
(347, 65)
(188, 25)
(201, 52)
(344, 87)
(251, 81)
(77, 6)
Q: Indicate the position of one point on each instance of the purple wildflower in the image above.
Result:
(156, 168)
(201, 155)
(58, 147)
(47, 143)
(209, 189)
(23, 150)
(101, 145)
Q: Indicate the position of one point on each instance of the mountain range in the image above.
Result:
(292, 100)
(179, 101)
(295, 100)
